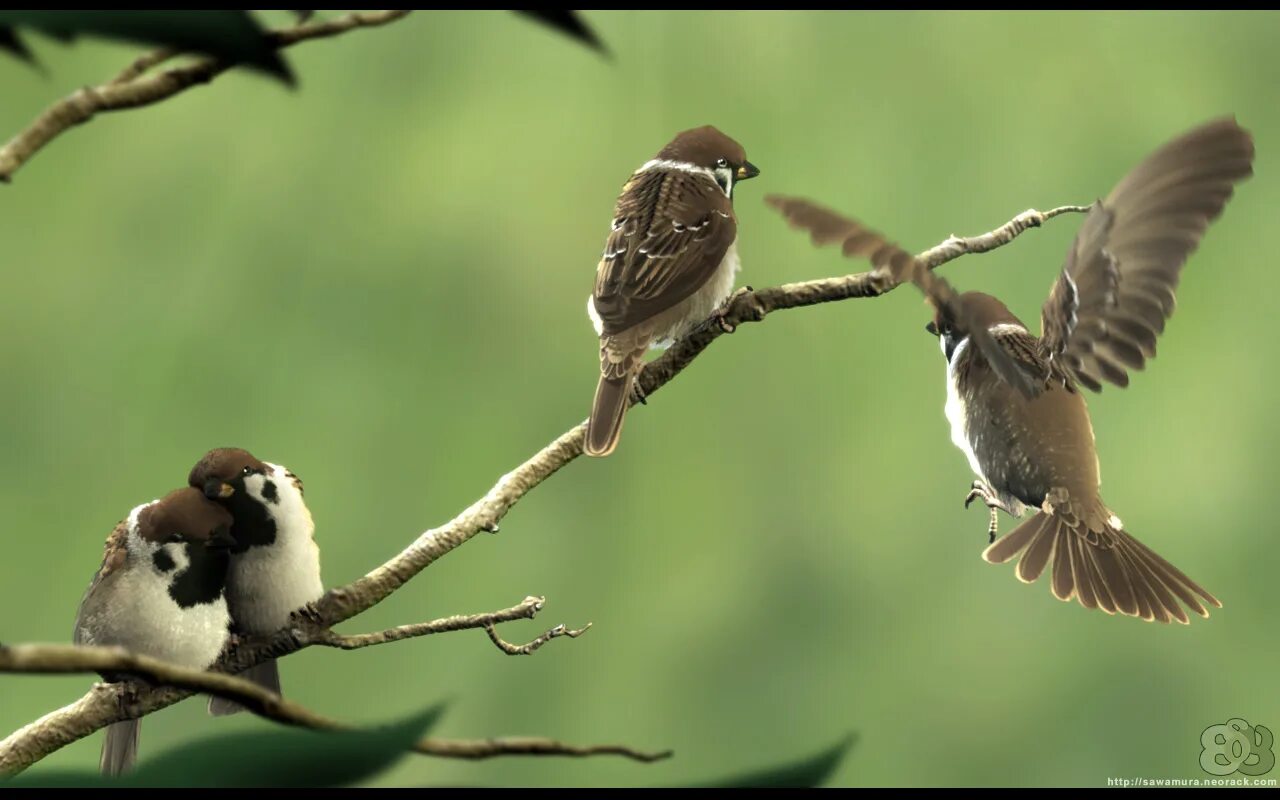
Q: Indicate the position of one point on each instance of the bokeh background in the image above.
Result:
(379, 280)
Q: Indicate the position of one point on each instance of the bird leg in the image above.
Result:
(638, 393)
(981, 491)
(719, 316)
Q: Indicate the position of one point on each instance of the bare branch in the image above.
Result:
(130, 90)
(956, 246)
(528, 648)
(143, 63)
(527, 609)
(63, 659)
(476, 749)
(98, 709)
(66, 658)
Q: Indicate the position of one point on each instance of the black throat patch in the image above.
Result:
(203, 580)
(253, 526)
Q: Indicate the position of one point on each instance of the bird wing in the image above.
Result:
(113, 560)
(856, 240)
(671, 230)
(1117, 287)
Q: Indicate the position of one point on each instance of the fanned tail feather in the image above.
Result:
(1112, 571)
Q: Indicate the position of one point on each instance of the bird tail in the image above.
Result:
(266, 675)
(120, 748)
(610, 406)
(1106, 569)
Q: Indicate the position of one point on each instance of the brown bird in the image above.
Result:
(668, 264)
(160, 592)
(275, 564)
(1029, 439)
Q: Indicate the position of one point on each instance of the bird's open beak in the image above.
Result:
(221, 538)
(932, 329)
(747, 170)
(218, 490)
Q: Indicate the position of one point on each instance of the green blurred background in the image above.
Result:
(379, 280)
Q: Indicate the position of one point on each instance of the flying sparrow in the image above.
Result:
(159, 592)
(1028, 436)
(669, 262)
(275, 563)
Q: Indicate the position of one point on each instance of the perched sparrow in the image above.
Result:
(275, 563)
(159, 592)
(1029, 439)
(669, 262)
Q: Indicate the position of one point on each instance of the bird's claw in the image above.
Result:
(721, 314)
(981, 491)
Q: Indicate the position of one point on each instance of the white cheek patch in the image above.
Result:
(724, 177)
(961, 346)
(177, 553)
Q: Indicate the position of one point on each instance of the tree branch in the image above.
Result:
(130, 89)
(64, 659)
(100, 707)
(527, 649)
(527, 609)
(476, 749)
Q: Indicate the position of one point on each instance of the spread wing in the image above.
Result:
(856, 240)
(670, 231)
(113, 560)
(1117, 287)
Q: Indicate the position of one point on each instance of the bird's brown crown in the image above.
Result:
(184, 513)
(223, 464)
(981, 310)
(704, 147)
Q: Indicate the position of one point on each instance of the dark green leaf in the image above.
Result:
(813, 771)
(10, 43)
(279, 757)
(233, 36)
(571, 25)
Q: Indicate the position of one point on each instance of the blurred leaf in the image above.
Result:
(230, 35)
(571, 25)
(280, 757)
(10, 42)
(811, 772)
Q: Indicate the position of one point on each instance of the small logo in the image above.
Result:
(1236, 746)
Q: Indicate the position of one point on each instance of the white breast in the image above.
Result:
(141, 616)
(267, 584)
(955, 407)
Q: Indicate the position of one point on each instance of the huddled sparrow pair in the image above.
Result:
(232, 551)
(1013, 399)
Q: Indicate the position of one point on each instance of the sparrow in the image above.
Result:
(159, 592)
(1029, 438)
(275, 563)
(668, 263)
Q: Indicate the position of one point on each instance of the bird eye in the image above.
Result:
(722, 162)
(247, 471)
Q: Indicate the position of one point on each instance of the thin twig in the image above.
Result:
(528, 648)
(130, 90)
(527, 609)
